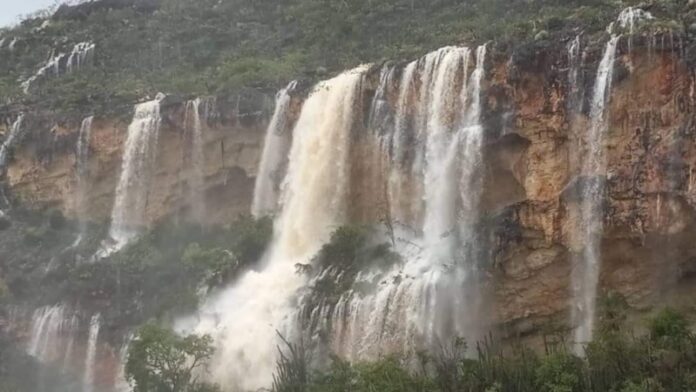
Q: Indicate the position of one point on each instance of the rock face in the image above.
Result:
(43, 173)
(532, 157)
(533, 166)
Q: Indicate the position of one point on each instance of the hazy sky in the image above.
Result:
(10, 9)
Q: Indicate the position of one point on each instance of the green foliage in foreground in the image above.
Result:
(664, 359)
(161, 361)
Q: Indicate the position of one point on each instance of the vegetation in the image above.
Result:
(161, 361)
(165, 271)
(351, 249)
(664, 359)
(160, 275)
(211, 46)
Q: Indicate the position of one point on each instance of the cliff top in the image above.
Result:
(103, 56)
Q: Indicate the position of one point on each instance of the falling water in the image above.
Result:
(47, 328)
(629, 19)
(575, 62)
(403, 209)
(90, 356)
(245, 318)
(72, 325)
(586, 273)
(378, 120)
(80, 56)
(13, 44)
(121, 384)
(274, 157)
(139, 157)
(82, 170)
(51, 68)
(433, 297)
(14, 133)
(194, 125)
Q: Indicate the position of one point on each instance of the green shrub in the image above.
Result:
(33, 236)
(560, 372)
(668, 324)
(56, 219)
(250, 238)
(350, 250)
(161, 361)
(292, 368)
(5, 223)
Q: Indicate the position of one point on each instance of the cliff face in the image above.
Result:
(533, 168)
(533, 150)
(43, 172)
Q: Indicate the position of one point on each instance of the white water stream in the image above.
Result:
(244, 318)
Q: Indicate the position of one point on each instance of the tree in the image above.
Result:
(159, 360)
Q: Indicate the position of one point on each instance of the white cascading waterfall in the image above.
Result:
(54, 331)
(433, 297)
(72, 325)
(48, 327)
(379, 108)
(245, 318)
(274, 157)
(196, 179)
(403, 209)
(576, 60)
(629, 19)
(586, 273)
(81, 55)
(139, 157)
(14, 132)
(82, 173)
(51, 68)
(121, 384)
(91, 353)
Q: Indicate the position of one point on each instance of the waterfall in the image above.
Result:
(244, 319)
(379, 109)
(90, 356)
(51, 68)
(82, 170)
(47, 327)
(434, 296)
(629, 19)
(575, 63)
(274, 157)
(73, 324)
(586, 272)
(403, 210)
(127, 216)
(121, 384)
(11, 137)
(80, 56)
(194, 124)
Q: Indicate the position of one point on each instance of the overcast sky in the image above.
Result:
(11, 9)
